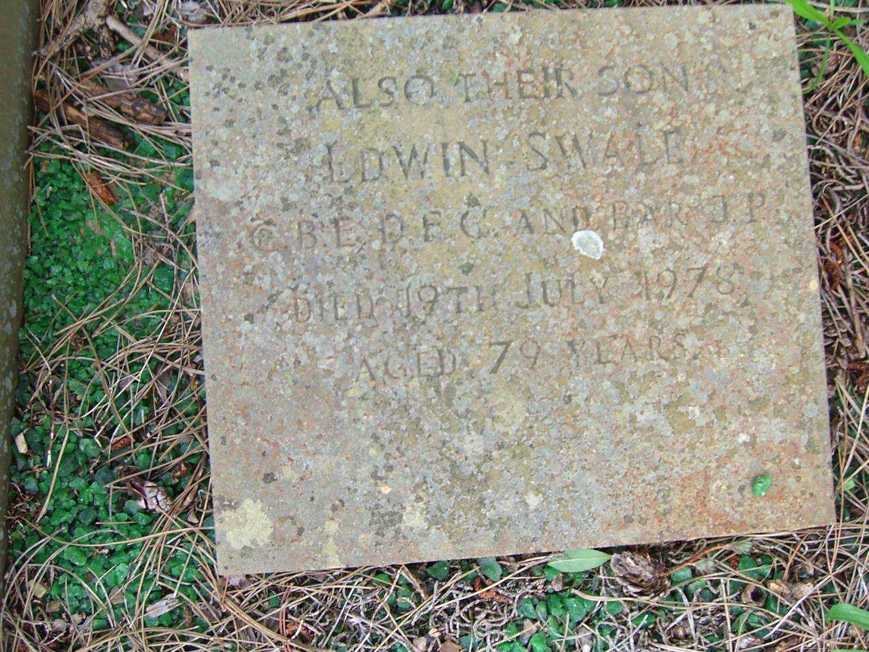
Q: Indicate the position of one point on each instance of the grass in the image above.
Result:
(111, 535)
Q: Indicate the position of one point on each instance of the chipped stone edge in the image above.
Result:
(17, 41)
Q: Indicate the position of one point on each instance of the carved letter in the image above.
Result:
(329, 94)
(544, 160)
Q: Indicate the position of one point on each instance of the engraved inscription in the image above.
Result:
(539, 233)
(548, 83)
(457, 271)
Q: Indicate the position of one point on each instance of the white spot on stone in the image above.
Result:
(247, 525)
(288, 472)
(473, 444)
(413, 517)
(330, 550)
(588, 243)
(533, 499)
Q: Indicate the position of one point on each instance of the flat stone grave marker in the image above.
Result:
(506, 283)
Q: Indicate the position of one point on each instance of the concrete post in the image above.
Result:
(17, 37)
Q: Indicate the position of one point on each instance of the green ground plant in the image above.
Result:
(111, 535)
(815, 18)
(87, 299)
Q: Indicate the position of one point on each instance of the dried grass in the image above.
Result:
(314, 607)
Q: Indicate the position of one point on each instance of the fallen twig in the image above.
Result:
(127, 102)
(98, 128)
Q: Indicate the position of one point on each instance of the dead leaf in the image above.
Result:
(680, 631)
(237, 581)
(861, 370)
(127, 102)
(747, 641)
(450, 645)
(833, 265)
(105, 41)
(490, 594)
(788, 643)
(705, 565)
(101, 189)
(752, 594)
(161, 607)
(118, 76)
(181, 470)
(192, 12)
(38, 589)
(298, 628)
(21, 444)
(639, 574)
(557, 583)
(790, 591)
(147, 8)
(166, 36)
(121, 442)
(585, 641)
(494, 596)
(152, 497)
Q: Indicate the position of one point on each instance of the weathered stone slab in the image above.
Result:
(499, 284)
